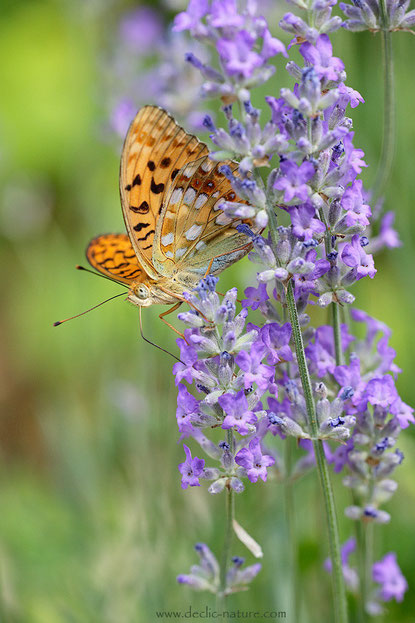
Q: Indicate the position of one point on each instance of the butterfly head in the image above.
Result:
(148, 293)
(140, 295)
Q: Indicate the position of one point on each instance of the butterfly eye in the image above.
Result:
(142, 292)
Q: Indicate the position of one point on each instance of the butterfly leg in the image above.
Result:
(210, 266)
(170, 311)
(222, 255)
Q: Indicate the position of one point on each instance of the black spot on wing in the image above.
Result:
(151, 165)
(147, 235)
(175, 172)
(141, 209)
(156, 188)
(137, 180)
(128, 187)
(141, 226)
(165, 163)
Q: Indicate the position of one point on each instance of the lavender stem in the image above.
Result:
(295, 592)
(388, 140)
(339, 591)
(337, 334)
(230, 512)
(361, 565)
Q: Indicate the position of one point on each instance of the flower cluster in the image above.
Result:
(386, 574)
(371, 455)
(378, 15)
(243, 43)
(146, 64)
(298, 174)
(228, 367)
(206, 575)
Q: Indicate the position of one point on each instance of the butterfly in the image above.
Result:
(171, 193)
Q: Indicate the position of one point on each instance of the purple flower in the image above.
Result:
(187, 405)
(255, 296)
(403, 413)
(351, 96)
(271, 46)
(224, 14)
(350, 576)
(277, 410)
(140, 28)
(254, 461)
(190, 19)
(387, 355)
(293, 180)
(381, 391)
(277, 338)
(373, 325)
(255, 371)
(237, 577)
(237, 412)
(237, 54)
(122, 115)
(320, 56)
(349, 376)
(278, 110)
(354, 255)
(387, 573)
(340, 456)
(354, 157)
(304, 222)
(352, 201)
(388, 237)
(188, 355)
(191, 469)
(205, 575)
(321, 351)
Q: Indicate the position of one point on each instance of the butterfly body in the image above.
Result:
(171, 196)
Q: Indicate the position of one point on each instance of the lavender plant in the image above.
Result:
(146, 64)
(266, 372)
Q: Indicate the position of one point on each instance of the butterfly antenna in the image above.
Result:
(88, 270)
(56, 324)
(152, 343)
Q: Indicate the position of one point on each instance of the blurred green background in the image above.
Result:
(94, 526)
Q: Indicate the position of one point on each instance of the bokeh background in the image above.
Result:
(94, 526)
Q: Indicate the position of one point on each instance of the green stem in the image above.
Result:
(230, 512)
(368, 554)
(301, 360)
(337, 334)
(295, 592)
(388, 139)
(361, 566)
(339, 591)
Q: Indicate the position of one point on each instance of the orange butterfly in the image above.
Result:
(170, 195)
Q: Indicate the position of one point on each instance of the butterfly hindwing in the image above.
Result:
(113, 256)
(193, 229)
(155, 149)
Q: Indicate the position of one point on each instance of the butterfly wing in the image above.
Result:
(192, 229)
(113, 256)
(155, 149)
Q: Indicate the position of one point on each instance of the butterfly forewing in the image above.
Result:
(192, 229)
(113, 256)
(155, 149)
